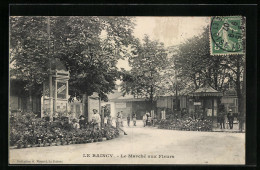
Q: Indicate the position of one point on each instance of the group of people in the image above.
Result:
(222, 116)
(133, 118)
(96, 120)
(148, 119)
(119, 119)
(95, 123)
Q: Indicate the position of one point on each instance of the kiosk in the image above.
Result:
(55, 91)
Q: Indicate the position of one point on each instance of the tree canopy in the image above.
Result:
(148, 60)
(195, 64)
(89, 47)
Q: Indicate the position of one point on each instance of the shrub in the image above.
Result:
(26, 130)
(186, 123)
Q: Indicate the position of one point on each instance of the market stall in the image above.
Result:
(205, 101)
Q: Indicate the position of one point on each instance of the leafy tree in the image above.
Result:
(147, 61)
(235, 64)
(195, 64)
(77, 42)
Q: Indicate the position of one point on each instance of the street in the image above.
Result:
(143, 145)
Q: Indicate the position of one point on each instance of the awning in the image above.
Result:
(205, 92)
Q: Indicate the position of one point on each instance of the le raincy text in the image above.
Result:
(126, 156)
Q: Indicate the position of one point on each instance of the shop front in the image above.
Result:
(204, 102)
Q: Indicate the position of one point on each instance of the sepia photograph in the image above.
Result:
(127, 90)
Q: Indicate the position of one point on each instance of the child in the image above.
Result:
(75, 124)
(82, 122)
(128, 119)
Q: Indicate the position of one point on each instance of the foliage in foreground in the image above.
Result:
(26, 131)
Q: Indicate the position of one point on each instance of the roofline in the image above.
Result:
(127, 100)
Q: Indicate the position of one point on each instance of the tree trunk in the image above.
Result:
(243, 101)
(151, 97)
(238, 87)
(30, 108)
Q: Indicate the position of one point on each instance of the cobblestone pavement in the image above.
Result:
(143, 145)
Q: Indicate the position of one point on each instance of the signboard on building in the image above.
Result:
(197, 103)
(120, 105)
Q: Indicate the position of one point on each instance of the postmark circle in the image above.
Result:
(226, 33)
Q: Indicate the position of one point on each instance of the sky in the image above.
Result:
(169, 30)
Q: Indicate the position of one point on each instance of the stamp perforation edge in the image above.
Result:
(243, 23)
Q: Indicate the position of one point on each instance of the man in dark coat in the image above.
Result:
(222, 120)
(221, 116)
(230, 117)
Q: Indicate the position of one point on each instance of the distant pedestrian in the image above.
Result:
(118, 119)
(121, 115)
(118, 123)
(230, 117)
(144, 119)
(147, 117)
(221, 116)
(128, 120)
(154, 119)
(222, 120)
(134, 119)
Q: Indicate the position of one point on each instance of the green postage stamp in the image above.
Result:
(227, 35)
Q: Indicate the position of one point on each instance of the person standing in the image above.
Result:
(118, 119)
(154, 119)
(118, 123)
(230, 117)
(128, 120)
(144, 119)
(134, 119)
(221, 117)
(147, 117)
(222, 120)
(96, 119)
(121, 116)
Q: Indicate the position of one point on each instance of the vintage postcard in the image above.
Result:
(127, 90)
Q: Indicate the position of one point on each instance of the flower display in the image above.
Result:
(27, 131)
(188, 124)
